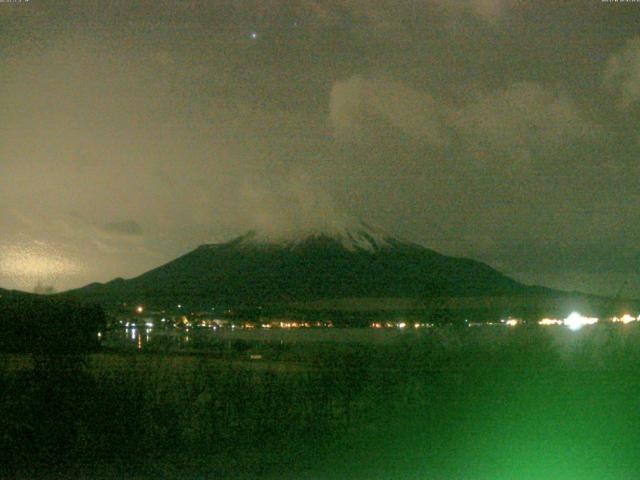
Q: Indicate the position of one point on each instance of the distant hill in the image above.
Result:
(11, 294)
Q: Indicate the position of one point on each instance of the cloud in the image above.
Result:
(125, 227)
(357, 101)
(622, 74)
(488, 10)
(398, 19)
(291, 206)
(520, 118)
(514, 120)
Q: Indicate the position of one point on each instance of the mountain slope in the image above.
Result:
(255, 268)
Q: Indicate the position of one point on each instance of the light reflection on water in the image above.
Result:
(134, 337)
(129, 336)
(167, 338)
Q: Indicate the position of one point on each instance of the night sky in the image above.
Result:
(506, 131)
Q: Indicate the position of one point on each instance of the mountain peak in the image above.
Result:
(354, 261)
(360, 236)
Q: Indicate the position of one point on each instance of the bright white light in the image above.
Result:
(575, 321)
(402, 325)
(139, 309)
(254, 35)
(511, 322)
(149, 324)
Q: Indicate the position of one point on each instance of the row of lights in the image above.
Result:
(401, 325)
(574, 321)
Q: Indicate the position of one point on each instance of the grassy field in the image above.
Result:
(521, 403)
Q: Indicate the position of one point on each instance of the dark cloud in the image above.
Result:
(124, 227)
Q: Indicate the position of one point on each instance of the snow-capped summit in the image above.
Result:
(358, 236)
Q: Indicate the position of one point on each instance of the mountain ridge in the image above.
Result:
(254, 268)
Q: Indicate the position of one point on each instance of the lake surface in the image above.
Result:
(199, 337)
(141, 338)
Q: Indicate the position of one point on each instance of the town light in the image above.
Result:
(550, 321)
(626, 318)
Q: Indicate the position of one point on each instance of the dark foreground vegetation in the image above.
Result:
(486, 403)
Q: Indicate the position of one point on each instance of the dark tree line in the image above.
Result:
(48, 326)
